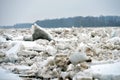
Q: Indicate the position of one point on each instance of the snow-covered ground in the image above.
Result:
(73, 53)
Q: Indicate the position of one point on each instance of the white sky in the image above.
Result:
(21, 11)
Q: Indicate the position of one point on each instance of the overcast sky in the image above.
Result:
(22, 11)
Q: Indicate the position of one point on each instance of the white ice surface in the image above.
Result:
(19, 67)
(6, 75)
(26, 44)
(2, 39)
(78, 57)
(12, 52)
(18, 38)
(109, 71)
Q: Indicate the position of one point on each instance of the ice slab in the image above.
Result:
(113, 68)
(6, 75)
(106, 71)
(2, 39)
(19, 67)
(12, 52)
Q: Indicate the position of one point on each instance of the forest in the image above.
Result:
(78, 21)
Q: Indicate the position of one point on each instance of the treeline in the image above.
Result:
(21, 25)
(89, 21)
(79, 21)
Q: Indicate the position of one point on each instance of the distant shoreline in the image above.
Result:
(79, 21)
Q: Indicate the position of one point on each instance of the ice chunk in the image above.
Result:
(78, 57)
(2, 39)
(12, 53)
(20, 38)
(106, 71)
(51, 50)
(27, 38)
(83, 76)
(114, 40)
(8, 37)
(5, 75)
(40, 33)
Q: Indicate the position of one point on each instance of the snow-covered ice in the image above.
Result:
(71, 53)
